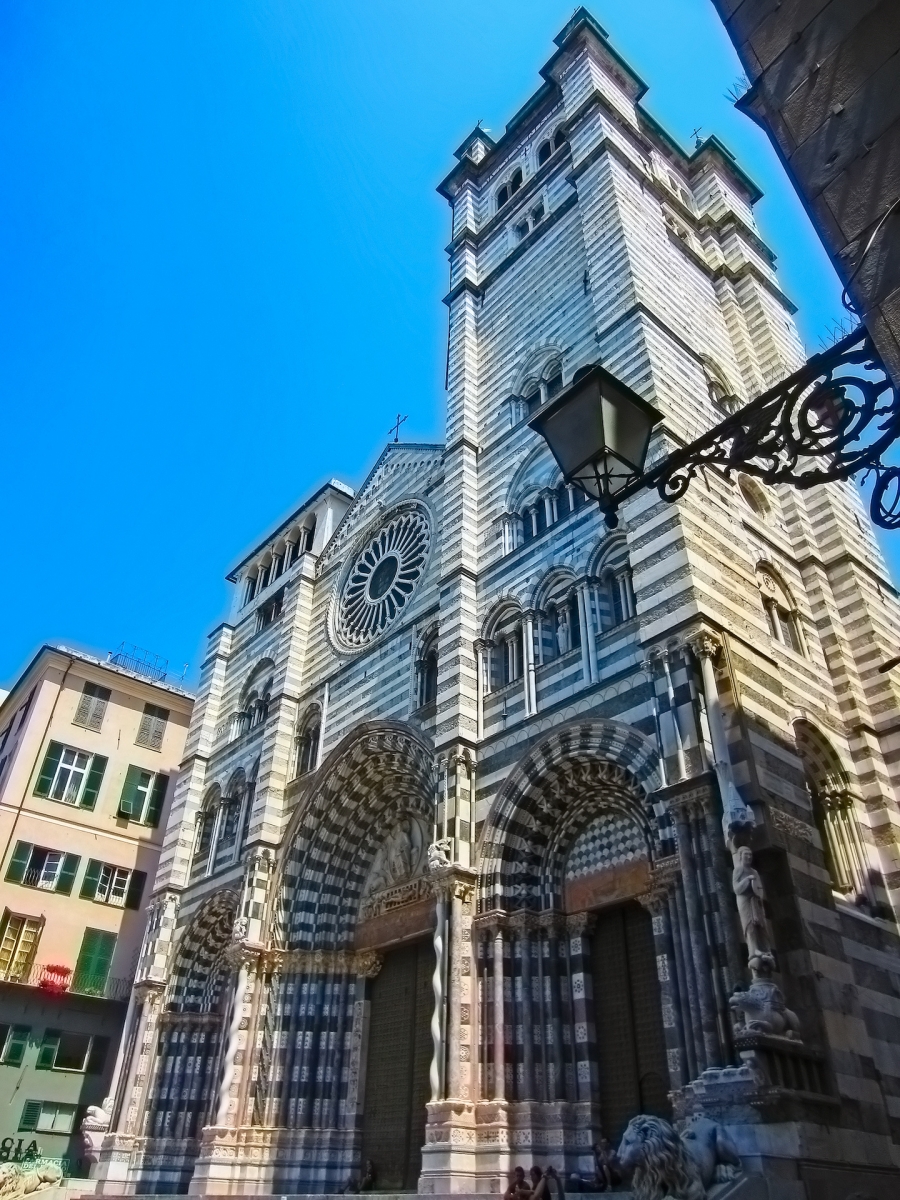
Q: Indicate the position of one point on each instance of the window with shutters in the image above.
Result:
(81, 1052)
(13, 1040)
(94, 960)
(41, 867)
(92, 706)
(70, 775)
(143, 796)
(48, 1117)
(153, 727)
(106, 883)
(19, 937)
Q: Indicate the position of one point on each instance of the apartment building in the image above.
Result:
(88, 750)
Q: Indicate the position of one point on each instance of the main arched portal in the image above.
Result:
(566, 948)
(347, 1043)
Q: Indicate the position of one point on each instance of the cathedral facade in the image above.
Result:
(497, 828)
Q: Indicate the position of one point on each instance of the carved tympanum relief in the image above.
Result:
(397, 874)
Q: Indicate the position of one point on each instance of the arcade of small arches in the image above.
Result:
(253, 706)
(222, 824)
(544, 152)
(275, 561)
(567, 616)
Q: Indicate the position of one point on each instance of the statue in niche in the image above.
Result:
(400, 857)
(400, 860)
(563, 640)
(748, 890)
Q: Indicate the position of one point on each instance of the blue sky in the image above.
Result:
(222, 261)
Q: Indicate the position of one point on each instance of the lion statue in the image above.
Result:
(764, 1010)
(711, 1150)
(21, 1179)
(662, 1167)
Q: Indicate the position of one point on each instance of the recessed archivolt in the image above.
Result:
(379, 772)
(535, 364)
(582, 769)
(197, 971)
(537, 471)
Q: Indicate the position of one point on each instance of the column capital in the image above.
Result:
(704, 642)
(149, 991)
(580, 923)
(664, 875)
(492, 922)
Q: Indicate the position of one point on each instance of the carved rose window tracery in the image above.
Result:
(382, 579)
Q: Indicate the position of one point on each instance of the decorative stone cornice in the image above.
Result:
(331, 962)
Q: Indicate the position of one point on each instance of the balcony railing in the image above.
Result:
(60, 981)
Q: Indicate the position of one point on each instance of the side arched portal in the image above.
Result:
(182, 1094)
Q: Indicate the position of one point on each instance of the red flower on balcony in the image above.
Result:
(55, 979)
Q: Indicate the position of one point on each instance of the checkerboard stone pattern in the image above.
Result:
(609, 840)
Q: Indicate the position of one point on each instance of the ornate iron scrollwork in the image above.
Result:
(831, 420)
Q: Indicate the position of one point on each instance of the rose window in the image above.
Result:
(382, 579)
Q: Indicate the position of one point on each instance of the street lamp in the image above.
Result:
(598, 430)
(833, 419)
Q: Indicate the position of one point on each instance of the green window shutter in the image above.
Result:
(15, 1047)
(157, 799)
(94, 960)
(67, 872)
(94, 779)
(47, 1053)
(18, 864)
(48, 770)
(128, 799)
(97, 1057)
(30, 1114)
(91, 879)
(135, 889)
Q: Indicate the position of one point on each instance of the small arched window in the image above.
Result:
(559, 140)
(529, 523)
(834, 812)
(544, 152)
(231, 809)
(516, 181)
(205, 831)
(308, 741)
(506, 657)
(427, 672)
(754, 496)
(617, 599)
(502, 197)
(780, 612)
(554, 381)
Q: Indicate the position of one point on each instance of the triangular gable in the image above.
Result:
(418, 461)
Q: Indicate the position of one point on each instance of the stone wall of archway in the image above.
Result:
(370, 779)
(580, 771)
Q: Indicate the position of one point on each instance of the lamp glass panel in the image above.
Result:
(627, 430)
(575, 431)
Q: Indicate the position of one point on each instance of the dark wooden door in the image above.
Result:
(631, 1049)
(399, 1055)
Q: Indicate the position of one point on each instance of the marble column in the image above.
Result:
(232, 1044)
(499, 1015)
(528, 672)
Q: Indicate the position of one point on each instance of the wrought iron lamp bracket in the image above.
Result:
(829, 421)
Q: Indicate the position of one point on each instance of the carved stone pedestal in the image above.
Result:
(782, 1115)
(112, 1166)
(448, 1156)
